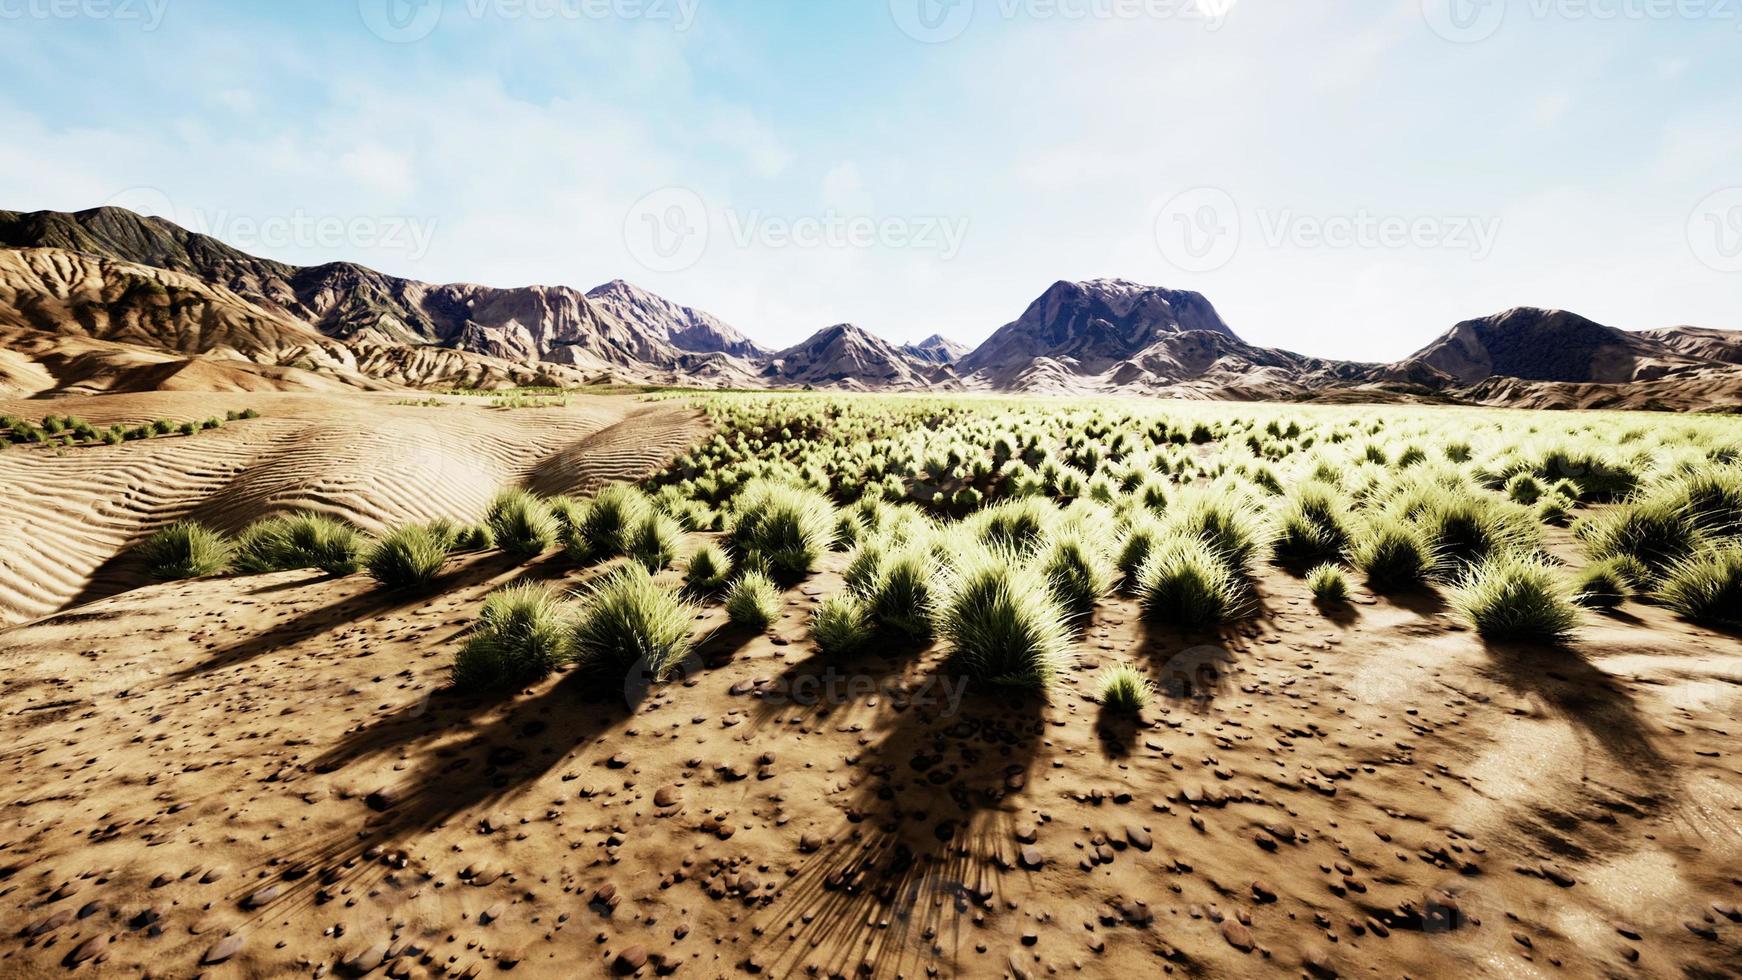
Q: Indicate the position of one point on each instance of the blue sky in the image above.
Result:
(1340, 179)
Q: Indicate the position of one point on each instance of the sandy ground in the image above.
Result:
(70, 516)
(264, 777)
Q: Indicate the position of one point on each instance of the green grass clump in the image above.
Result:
(1706, 587)
(1019, 526)
(1002, 623)
(1465, 529)
(1224, 525)
(654, 541)
(522, 526)
(1139, 540)
(1189, 583)
(1517, 597)
(1600, 478)
(186, 550)
(1603, 585)
(408, 557)
(474, 537)
(1329, 584)
(1710, 496)
(523, 634)
(785, 526)
(1314, 526)
(1523, 488)
(1077, 572)
(297, 541)
(707, 569)
(569, 513)
(902, 596)
(841, 624)
(864, 565)
(1393, 555)
(753, 600)
(1656, 533)
(1123, 689)
(627, 621)
(610, 519)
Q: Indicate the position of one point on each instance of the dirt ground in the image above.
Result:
(264, 777)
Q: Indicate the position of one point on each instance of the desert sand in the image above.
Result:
(265, 776)
(371, 459)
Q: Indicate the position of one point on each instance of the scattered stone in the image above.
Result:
(224, 949)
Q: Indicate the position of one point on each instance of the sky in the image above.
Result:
(1340, 179)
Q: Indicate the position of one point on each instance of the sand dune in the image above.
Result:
(359, 457)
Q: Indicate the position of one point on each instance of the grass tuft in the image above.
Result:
(707, 569)
(1517, 597)
(1187, 582)
(523, 634)
(1077, 572)
(1393, 555)
(408, 557)
(654, 541)
(785, 526)
(753, 600)
(1123, 689)
(1603, 585)
(604, 531)
(1658, 534)
(186, 550)
(297, 541)
(522, 525)
(841, 624)
(1329, 584)
(1706, 587)
(630, 622)
(903, 598)
(1002, 623)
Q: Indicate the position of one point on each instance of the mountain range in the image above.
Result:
(108, 300)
